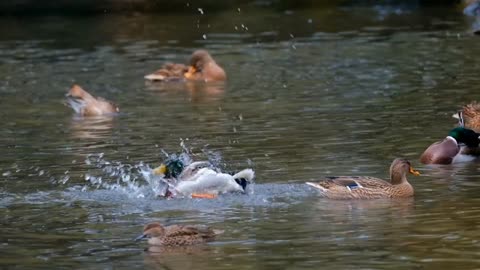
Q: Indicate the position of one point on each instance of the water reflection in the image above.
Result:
(312, 92)
(198, 92)
(96, 127)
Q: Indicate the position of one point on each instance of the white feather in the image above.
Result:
(208, 180)
(247, 174)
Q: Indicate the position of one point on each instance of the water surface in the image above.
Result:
(334, 91)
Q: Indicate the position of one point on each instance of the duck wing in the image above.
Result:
(354, 182)
(209, 181)
(169, 72)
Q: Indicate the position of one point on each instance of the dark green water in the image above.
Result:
(310, 93)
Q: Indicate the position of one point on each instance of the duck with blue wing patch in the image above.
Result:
(366, 187)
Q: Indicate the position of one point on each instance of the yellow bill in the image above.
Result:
(160, 170)
(414, 172)
(191, 71)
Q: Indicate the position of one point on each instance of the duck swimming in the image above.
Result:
(469, 116)
(366, 187)
(201, 67)
(199, 179)
(85, 104)
(461, 145)
(177, 235)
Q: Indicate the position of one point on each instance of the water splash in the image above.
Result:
(138, 180)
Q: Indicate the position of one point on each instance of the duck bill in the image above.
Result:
(160, 170)
(191, 71)
(141, 237)
(414, 172)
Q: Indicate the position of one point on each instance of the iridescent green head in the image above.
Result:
(465, 136)
(172, 168)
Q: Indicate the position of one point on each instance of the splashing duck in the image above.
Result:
(200, 180)
(177, 235)
(84, 104)
(366, 187)
(201, 67)
(461, 145)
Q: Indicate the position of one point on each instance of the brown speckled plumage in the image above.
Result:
(87, 105)
(201, 67)
(178, 235)
(366, 187)
(471, 116)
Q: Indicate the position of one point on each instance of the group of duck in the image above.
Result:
(201, 179)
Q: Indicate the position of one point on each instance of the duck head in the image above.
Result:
(465, 136)
(399, 169)
(77, 98)
(151, 230)
(172, 168)
(203, 67)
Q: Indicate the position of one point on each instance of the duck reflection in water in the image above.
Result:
(97, 127)
(199, 92)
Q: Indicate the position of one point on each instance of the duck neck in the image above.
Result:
(397, 177)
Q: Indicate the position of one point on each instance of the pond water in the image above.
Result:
(311, 93)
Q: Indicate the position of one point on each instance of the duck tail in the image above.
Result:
(244, 177)
(316, 185)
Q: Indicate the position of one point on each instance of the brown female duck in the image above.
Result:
(177, 235)
(366, 187)
(201, 67)
(460, 145)
(469, 116)
(85, 104)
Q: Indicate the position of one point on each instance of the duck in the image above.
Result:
(201, 180)
(201, 67)
(177, 235)
(471, 8)
(461, 145)
(366, 187)
(84, 104)
(469, 116)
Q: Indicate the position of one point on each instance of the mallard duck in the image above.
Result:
(85, 104)
(459, 146)
(199, 179)
(469, 116)
(365, 187)
(177, 235)
(201, 67)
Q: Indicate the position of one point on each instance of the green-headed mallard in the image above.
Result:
(177, 235)
(85, 104)
(366, 187)
(459, 146)
(201, 67)
(199, 179)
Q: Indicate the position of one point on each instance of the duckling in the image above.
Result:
(177, 235)
(85, 104)
(201, 67)
(459, 146)
(200, 178)
(469, 116)
(365, 187)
